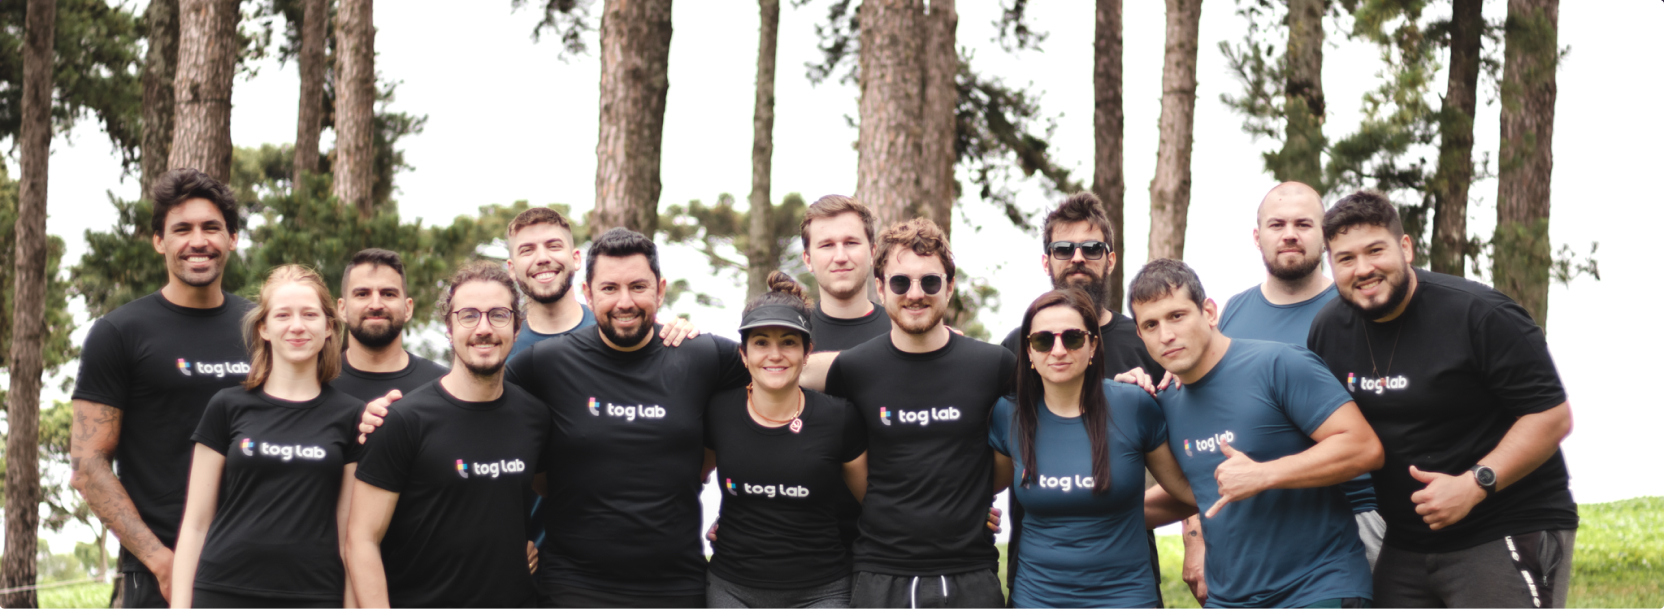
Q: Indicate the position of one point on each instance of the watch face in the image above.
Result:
(1485, 476)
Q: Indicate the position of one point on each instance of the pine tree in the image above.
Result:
(1170, 189)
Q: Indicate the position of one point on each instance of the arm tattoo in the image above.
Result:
(95, 433)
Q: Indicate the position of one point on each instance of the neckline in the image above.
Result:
(409, 366)
(1258, 290)
(821, 315)
(225, 305)
(291, 404)
(745, 413)
(467, 405)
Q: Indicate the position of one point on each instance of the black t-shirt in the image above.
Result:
(929, 468)
(622, 510)
(462, 470)
(837, 334)
(367, 386)
(160, 363)
(1467, 362)
(780, 490)
(1122, 349)
(274, 532)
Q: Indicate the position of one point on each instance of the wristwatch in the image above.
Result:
(1486, 477)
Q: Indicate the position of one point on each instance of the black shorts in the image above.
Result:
(568, 596)
(970, 589)
(1529, 570)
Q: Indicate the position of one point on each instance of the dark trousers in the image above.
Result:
(721, 593)
(568, 596)
(970, 589)
(139, 589)
(211, 598)
(1530, 570)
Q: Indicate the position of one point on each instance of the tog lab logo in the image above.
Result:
(1377, 386)
(593, 409)
(1208, 445)
(461, 468)
(922, 417)
(730, 487)
(493, 469)
(630, 412)
(248, 446)
(288, 451)
(769, 490)
(218, 369)
(184, 367)
(1065, 483)
(884, 415)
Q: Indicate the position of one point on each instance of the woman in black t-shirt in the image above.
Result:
(785, 457)
(273, 464)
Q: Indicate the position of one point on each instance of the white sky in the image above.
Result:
(509, 120)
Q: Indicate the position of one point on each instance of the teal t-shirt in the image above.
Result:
(1250, 315)
(529, 337)
(1082, 549)
(1283, 547)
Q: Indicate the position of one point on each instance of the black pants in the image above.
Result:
(568, 596)
(139, 589)
(970, 589)
(1530, 570)
(201, 597)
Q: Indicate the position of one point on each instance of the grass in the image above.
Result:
(1618, 561)
(84, 595)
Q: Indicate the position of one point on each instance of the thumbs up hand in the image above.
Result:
(1447, 499)
(1239, 477)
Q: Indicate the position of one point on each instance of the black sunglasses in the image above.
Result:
(931, 284)
(1042, 341)
(1065, 250)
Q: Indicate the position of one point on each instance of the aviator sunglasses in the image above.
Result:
(931, 284)
(1042, 341)
(1065, 250)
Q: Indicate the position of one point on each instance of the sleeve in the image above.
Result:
(1007, 373)
(1152, 424)
(835, 378)
(855, 432)
(387, 457)
(519, 371)
(214, 430)
(1514, 358)
(731, 368)
(104, 375)
(1012, 342)
(354, 452)
(999, 426)
(1306, 390)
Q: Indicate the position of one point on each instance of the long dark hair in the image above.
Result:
(1094, 406)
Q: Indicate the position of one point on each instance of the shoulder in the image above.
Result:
(519, 397)
(965, 346)
(1448, 294)
(1335, 314)
(335, 398)
(422, 364)
(237, 304)
(232, 396)
(1004, 409)
(1249, 295)
(140, 309)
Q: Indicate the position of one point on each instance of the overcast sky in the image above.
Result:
(510, 119)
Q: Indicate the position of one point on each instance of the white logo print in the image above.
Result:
(287, 452)
(770, 490)
(1065, 483)
(218, 370)
(496, 468)
(1208, 445)
(630, 412)
(1381, 385)
(923, 417)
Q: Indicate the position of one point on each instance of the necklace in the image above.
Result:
(796, 423)
(1390, 354)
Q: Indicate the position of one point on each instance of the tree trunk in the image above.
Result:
(1302, 153)
(941, 95)
(314, 22)
(355, 105)
(208, 48)
(1170, 190)
(162, 30)
(762, 249)
(1455, 172)
(17, 568)
(1108, 179)
(635, 78)
(891, 162)
(1522, 255)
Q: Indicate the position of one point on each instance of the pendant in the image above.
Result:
(797, 425)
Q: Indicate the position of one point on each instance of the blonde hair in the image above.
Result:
(260, 349)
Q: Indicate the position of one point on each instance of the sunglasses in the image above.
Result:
(1044, 340)
(1065, 250)
(931, 284)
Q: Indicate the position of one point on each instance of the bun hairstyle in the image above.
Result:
(782, 291)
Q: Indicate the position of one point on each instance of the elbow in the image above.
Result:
(1564, 427)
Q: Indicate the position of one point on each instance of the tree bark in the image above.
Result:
(162, 30)
(762, 252)
(891, 160)
(1108, 179)
(941, 96)
(1522, 255)
(1303, 142)
(1455, 172)
(314, 22)
(17, 568)
(635, 79)
(1170, 189)
(355, 105)
(208, 50)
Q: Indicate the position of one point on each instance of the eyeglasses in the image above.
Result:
(500, 317)
(1042, 341)
(931, 284)
(1065, 250)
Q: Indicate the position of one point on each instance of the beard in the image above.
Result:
(923, 327)
(555, 292)
(199, 279)
(485, 370)
(376, 339)
(1300, 269)
(1397, 291)
(1082, 278)
(623, 339)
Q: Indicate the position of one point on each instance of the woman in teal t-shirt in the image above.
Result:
(1074, 447)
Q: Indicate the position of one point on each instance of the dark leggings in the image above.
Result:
(202, 597)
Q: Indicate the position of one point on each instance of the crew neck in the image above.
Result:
(467, 405)
(225, 305)
(927, 355)
(808, 405)
(409, 367)
(292, 404)
(848, 321)
(1293, 305)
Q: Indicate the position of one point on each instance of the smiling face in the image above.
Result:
(484, 348)
(840, 255)
(1372, 269)
(775, 357)
(1061, 365)
(1078, 272)
(196, 242)
(543, 261)
(915, 312)
(295, 323)
(1290, 234)
(375, 306)
(1177, 333)
(625, 297)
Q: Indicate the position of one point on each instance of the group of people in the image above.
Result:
(266, 457)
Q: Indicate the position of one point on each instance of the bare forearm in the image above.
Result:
(365, 572)
(108, 500)
(815, 369)
(1532, 440)
(1333, 460)
(1162, 508)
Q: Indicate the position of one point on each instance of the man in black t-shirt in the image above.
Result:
(437, 516)
(837, 247)
(925, 394)
(376, 307)
(1457, 381)
(626, 457)
(147, 372)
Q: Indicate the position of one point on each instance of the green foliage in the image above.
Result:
(722, 234)
(57, 348)
(568, 20)
(95, 70)
(84, 595)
